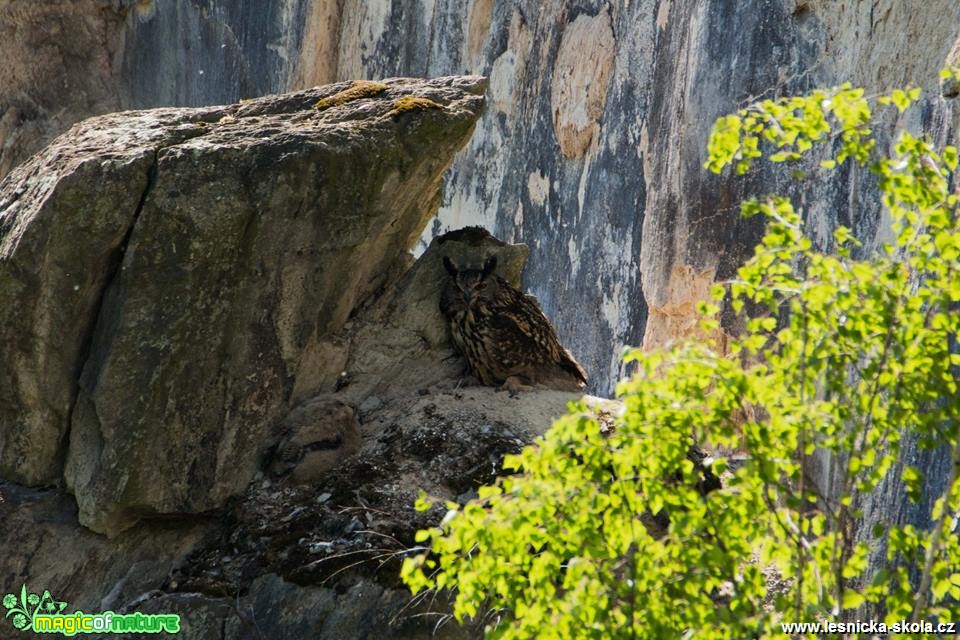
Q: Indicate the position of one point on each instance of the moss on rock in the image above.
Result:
(413, 103)
(359, 89)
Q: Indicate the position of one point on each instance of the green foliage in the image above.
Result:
(845, 355)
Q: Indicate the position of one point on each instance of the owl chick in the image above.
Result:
(504, 336)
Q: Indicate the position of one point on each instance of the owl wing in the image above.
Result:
(559, 353)
(523, 315)
(569, 364)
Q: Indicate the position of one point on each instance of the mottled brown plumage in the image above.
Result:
(504, 336)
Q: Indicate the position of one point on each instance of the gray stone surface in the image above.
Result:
(199, 53)
(44, 547)
(198, 257)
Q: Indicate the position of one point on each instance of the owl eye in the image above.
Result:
(482, 285)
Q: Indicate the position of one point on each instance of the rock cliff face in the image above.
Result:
(592, 147)
(590, 151)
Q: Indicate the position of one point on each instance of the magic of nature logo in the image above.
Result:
(44, 614)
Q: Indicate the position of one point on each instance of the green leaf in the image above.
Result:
(900, 99)
(940, 587)
(950, 157)
(913, 480)
(422, 535)
(423, 502)
(485, 493)
(852, 599)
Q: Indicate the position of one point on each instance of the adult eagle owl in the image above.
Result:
(503, 334)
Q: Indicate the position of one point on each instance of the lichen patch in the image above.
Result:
(413, 103)
(359, 89)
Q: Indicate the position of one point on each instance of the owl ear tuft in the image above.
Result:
(450, 266)
(489, 266)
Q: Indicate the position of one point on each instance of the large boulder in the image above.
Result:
(167, 278)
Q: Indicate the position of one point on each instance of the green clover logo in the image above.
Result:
(28, 605)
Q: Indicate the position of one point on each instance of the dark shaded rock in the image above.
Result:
(281, 610)
(194, 54)
(346, 535)
(45, 547)
(200, 616)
